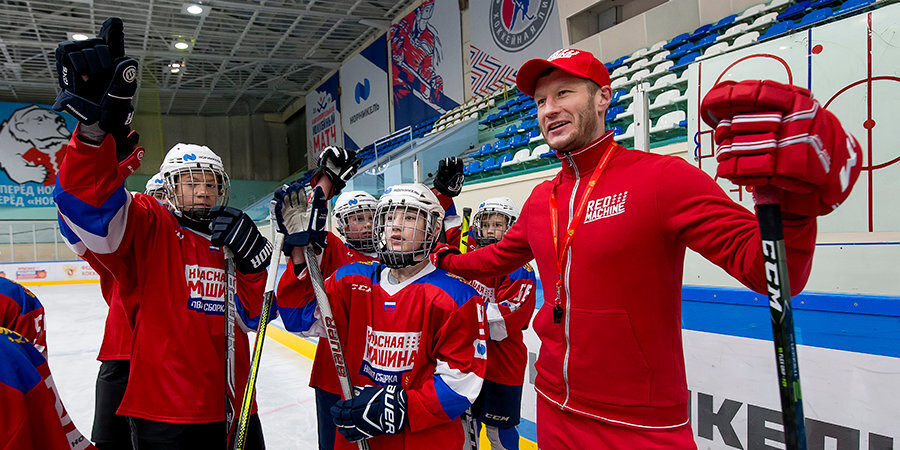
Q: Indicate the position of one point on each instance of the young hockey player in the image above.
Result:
(22, 312)
(354, 212)
(413, 336)
(170, 268)
(33, 416)
(509, 301)
(156, 188)
(609, 235)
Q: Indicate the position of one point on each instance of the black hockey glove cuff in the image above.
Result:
(234, 229)
(450, 177)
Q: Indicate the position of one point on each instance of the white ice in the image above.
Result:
(75, 315)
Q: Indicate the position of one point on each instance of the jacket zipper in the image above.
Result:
(568, 309)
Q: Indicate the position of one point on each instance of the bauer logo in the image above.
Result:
(206, 286)
(389, 355)
(515, 24)
(611, 205)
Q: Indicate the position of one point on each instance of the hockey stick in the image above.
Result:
(334, 341)
(240, 436)
(768, 212)
(230, 289)
(468, 419)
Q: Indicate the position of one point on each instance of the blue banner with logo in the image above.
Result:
(32, 145)
(506, 33)
(365, 107)
(426, 62)
(323, 117)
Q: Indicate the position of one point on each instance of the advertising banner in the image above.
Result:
(426, 60)
(364, 103)
(506, 33)
(32, 146)
(323, 117)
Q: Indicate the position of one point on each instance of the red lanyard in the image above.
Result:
(573, 224)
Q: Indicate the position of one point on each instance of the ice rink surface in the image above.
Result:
(75, 315)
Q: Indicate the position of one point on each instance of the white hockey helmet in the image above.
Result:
(498, 205)
(348, 205)
(400, 202)
(154, 184)
(193, 159)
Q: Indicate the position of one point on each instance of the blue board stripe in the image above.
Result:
(857, 323)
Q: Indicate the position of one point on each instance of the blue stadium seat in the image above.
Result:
(549, 153)
(490, 118)
(611, 113)
(618, 62)
(617, 95)
(851, 5)
(707, 40)
(509, 131)
(823, 3)
(777, 30)
(676, 41)
(724, 22)
(489, 164)
(794, 11)
(473, 168)
(501, 145)
(700, 32)
(685, 60)
(617, 131)
(680, 51)
(530, 113)
(517, 141)
(815, 16)
(506, 157)
(533, 134)
(485, 149)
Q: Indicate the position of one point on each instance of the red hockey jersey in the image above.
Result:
(617, 354)
(509, 304)
(337, 254)
(22, 312)
(32, 416)
(426, 334)
(172, 283)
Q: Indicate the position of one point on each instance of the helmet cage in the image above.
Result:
(363, 244)
(386, 218)
(176, 179)
(478, 225)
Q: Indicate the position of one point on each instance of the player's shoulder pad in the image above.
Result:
(455, 286)
(368, 269)
(20, 361)
(18, 294)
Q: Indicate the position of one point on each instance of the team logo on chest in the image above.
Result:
(389, 354)
(611, 205)
(206, 289)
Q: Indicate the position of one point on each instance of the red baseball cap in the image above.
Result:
(571, 60)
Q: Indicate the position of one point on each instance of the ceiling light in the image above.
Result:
(180, 45)
(195, 9)
(77, 36)
(175, 65)
(175, 70)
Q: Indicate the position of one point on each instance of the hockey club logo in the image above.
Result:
(389, 355)
(69, 270)
(515, 24)
(611, 205)
(206, 286)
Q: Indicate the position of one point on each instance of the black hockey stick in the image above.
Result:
(768, 213)
(334, 341)
(230, 394)
(240, 435)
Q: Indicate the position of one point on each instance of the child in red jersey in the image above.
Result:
(413, 336)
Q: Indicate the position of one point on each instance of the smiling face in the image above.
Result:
(359, 225)
(571, 110)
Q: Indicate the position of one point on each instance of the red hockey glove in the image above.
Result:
(439, 251)
(769, 133)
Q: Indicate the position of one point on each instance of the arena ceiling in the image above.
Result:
(242, 57)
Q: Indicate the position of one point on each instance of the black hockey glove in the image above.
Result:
(126, 143)
(338, 164)
(449, 178)
(300, 223)
(376, 410)
(96, 80)
(234, 229)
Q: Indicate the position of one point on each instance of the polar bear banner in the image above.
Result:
(32, 146)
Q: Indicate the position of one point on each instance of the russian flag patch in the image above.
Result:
(390, 305)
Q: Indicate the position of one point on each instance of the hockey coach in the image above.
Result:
(609, 234)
